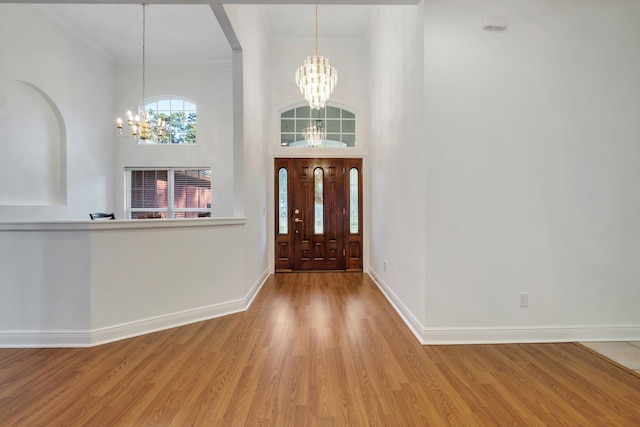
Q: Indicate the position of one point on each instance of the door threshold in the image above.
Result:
(317, 271)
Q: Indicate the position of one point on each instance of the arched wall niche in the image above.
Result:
(33, 147)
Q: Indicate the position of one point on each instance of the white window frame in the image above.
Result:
(170, 211)
(299, 142)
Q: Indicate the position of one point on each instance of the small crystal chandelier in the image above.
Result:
(316, 78)
(140, 125)
(314, 134)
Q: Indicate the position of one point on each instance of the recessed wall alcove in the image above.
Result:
(33, 156)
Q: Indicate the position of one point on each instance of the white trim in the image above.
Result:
(426, 336)
(251, 295)
(542, 334)
(504, 335)
(126, 224)
(407, 316)
(45, 339)
(165, 321)
(90, 338)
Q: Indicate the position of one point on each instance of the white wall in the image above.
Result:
(168, 271)
(522, 178)
(349, 56)
(532, 163)
(44, 277)
(208, 85)
(88, 282)
(248, 26)
(57, 145)
(82, 283)
(397, 175)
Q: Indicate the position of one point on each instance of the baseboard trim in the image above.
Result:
(546, 334)
(45, 339)
(407, 316)
(95, 337)
(503, 335)
(165, 321)
(251, 295)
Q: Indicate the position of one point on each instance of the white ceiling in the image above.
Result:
(333, 20)
(191, 32)
(173, 31)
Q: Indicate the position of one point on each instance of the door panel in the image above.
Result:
(317, 235)
(354, 226)
(317, 201)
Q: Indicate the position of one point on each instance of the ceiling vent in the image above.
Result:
(494, 23)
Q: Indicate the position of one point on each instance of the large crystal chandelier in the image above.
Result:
(314, 134)
(316, 78)
(140, 124)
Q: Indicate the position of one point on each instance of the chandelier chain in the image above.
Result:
(316, 78)
(144, 31)
(140, 124)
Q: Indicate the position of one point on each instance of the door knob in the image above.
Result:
(297, 220)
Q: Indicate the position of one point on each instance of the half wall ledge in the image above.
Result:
(122, 224)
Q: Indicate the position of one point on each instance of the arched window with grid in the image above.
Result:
(332, 126)
(179, 116)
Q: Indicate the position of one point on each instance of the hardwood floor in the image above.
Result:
(314, 349)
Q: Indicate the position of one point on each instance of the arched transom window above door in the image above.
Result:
(332, 126)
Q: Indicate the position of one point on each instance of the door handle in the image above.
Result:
(297, 220)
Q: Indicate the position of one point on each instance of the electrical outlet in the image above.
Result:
(524, 299)
(384, 266)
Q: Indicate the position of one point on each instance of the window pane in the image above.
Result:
(301, 125)
(192, 189)
(350, 140)
(288, 114)
(318, 114)
(333, 113)
(186, 215)
(283, 204)
(148, 215)
(333, 136)
(353, 201)
(318, 174)
(177, 105)
(287, 138)
(349, 126)
(303, 112)
(333, 126)
(348, 115)
(151, 106)
(287, 125)
(164, 104)
(149, 189)
(188, 106)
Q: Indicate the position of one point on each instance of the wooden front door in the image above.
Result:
(318, 214)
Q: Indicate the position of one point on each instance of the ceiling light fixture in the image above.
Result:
(140, 124)
(316, 78)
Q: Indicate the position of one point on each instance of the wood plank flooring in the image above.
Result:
(314, 349)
